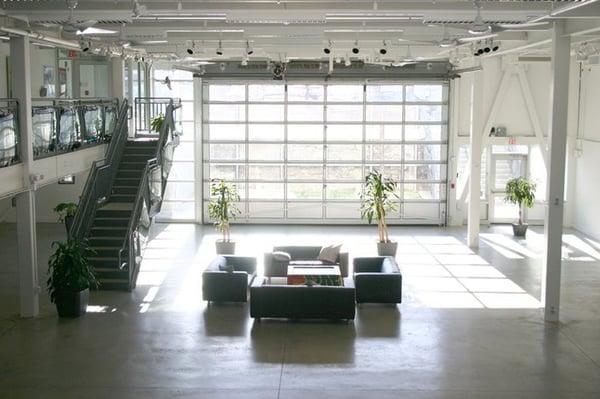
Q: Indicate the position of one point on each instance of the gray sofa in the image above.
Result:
(221, 285)
(301, 301)
(275, 268)
(377, 280)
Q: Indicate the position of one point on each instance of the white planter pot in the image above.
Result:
(225, 248)
(387, 248)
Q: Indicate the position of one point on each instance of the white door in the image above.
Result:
(504, 167)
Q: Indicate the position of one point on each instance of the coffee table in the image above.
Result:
(314, 275)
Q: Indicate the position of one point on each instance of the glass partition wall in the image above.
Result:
(298, 152)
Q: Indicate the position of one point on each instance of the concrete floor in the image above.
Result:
(470, 326)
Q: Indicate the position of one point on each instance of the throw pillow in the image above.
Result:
(281, 256)
(330, 254)
(226, 268)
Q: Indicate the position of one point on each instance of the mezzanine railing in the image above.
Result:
(148, 108)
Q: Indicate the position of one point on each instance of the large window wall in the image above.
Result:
(298, 152)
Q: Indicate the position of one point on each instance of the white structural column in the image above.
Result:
(118, 84)
(473, 215)
(130, 65)
(26, 229)
(561, 58)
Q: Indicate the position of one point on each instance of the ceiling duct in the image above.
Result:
(284, 17)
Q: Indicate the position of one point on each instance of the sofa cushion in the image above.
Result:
(300, 252)
(330, 253)
(226, 267)
(389, 266)
(281, 256)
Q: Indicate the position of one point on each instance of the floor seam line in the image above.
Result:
(579, 348)
(281, 371)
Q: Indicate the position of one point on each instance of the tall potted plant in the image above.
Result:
(520, 191)
(66, 213)
(377, 200)
(70, 277)
(222, 209)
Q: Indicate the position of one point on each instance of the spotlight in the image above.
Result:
(327, 50)
(479, 51)
(190, 50)
(220, 49)
(249, 49)
(383, 50)
(85, 45)
(495, 47)
(222, 66)
(338, 60)
(348, 62)
(355, 49)
(278, 71)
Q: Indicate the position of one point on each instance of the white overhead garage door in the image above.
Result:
(298, 151)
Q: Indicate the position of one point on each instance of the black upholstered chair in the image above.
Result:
(377, 280)
(226, 278)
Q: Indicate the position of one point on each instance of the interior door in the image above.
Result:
(504, 167)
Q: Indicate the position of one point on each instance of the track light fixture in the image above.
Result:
(355, 49)
(383, 50)
(190, 50)
(220, 49)
(278, 71)
(347, 62)
(485, 47)
(249, 50)
(85, 45)
(327, 49)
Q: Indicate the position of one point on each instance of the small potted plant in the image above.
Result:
(156, 123)
(66, 213)
(521, 192)
(70, 277)
(377, 200)
(222, 209)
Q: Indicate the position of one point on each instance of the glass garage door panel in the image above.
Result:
(299, 152)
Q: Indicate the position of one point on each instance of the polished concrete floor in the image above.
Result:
(470, 326)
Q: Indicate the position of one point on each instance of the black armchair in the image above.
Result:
(377, 280)
(226, 278)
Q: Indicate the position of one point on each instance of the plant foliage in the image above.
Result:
(156, 123)
(65, 209)
(69, 269)
(377, 200)
(222, 207)
(520, 191)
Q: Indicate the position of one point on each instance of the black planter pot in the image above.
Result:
(520, 230)
(72, 304)
(69, 223)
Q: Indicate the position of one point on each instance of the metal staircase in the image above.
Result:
(120, 199)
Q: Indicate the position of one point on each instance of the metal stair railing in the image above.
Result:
(149, 196)
(98, 185)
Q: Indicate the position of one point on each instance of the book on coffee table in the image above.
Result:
(314, 275)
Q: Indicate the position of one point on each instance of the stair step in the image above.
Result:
(109, 273)
(108, 232)
(136, 157)
(107, 252)
(113, 213)
(114, 284)
(110, 222)
(127, 173)
(108, 262)
(124, 189)
(122, 198)
(127, 181)
(106, 241)
(125, 165)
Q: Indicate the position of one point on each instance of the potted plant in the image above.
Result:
(66, 213)
(70, 277)
(156, 123)
(520, 191)
(222, 209)
(377, 200)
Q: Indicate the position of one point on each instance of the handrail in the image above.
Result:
(147, 108)
(91, 198)
(131, 245)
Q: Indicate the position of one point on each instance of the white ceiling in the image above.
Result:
(300, 29)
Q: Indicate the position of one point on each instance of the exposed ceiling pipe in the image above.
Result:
(556, 13)
(42, 38)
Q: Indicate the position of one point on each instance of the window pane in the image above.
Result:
(345, 113)
(184, 152)
(384, 132)
(345, 93)
(305, 152)
(227, 171)
(305, 93)
(344, 132)
(384, 93)
(265, 152)
(229, 112)
(422, 172)
(305, 113)
(305, 172)
(344, 152)
(389, 113)
(226, 92)
(177, 210)
(424, 113)
(423, 152)
(423, 132)
(226, 152)
(266, 92)
(265, 190)
(305, 191)
(235, 132)
(431, 93)
(265, 113)
(265, 172)
(344, 172)
(345, 191)
(179, 191)
(258, 132)
(422, 191)
(181, 171)
(383, 152)
(305, 132)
